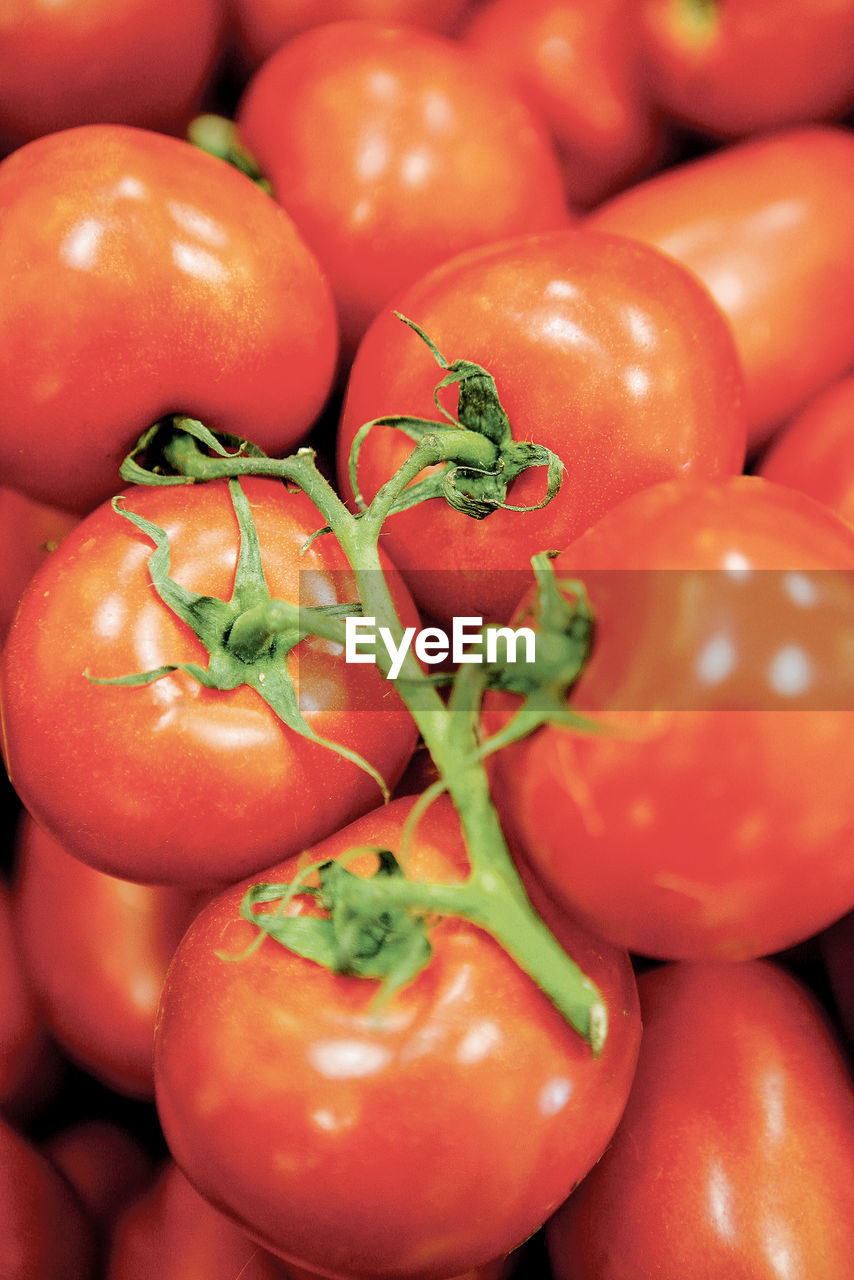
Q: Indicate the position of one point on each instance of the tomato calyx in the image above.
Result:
(249, 637)
(218, 136)
(476, 447)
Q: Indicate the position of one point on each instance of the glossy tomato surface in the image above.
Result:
(713, 817)
(30, 531)
(172, 782)
(733, 67)
(815, 451)
(601, 350)
(420, 1136)
(578, 65)
(262, 25)
(145, 278)
(392, 149)
(137, 62)
(96, 950)
(735, 1157)
(766, 226)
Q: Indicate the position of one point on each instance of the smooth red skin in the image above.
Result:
(172, 783)
(263, 25)
(25, 1061)
(688, 831)
(430, 156)
(171, 1233)
(495, 1271)
(576, 63)
(766, 226)
(430, 1148)
(96, 950)
(29, 531)
(144, 278)
(735, 1157)
(43, 1232)
(105, 1165)
(815, 451)
(602, 350)
(136, 62)
(744, 66)
(837, 949)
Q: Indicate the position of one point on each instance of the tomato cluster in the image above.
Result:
(427, 639)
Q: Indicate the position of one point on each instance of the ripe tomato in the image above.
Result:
(172, 1233)
(732, 67)
(138, 62)
(104, 1163)
(417, 1137)
(263, 25)
(43, 1233)
(766, 225)
(735, 1156)
(33, 530)
(602, 350)
(172, 782)
(96, 950)
(576, 62)
(815, 451)
(392, 149)
(715, 817)
(25, 1056)
(144, 278)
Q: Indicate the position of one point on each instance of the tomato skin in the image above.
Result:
(747, 66)
(136, 62)
(577, 65)
(43, 1233)
(172, 1233)
(105, 1165)
(263, 25)
(148, 278)
(173, 783)
(765, 225)
(837, 950)
(815, 451)
(628, 374)
(96, 950)
(735, 1156)
(714, 820)
(430, 156)
(26, 1060)
(33, 529)
(443, 1126)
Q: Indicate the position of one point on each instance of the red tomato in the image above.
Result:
(263, 25)
(416, 1138)
(576, 62)
(715, 817)
(96, 950)
(171, 1233)
(392, 149)
(144, 278)
(33, 530)
(105, 1165)
(602, 350)
(815, 451)
(172, 782)
(735, 1156)
(43, 1234)
(25, 1061)
(732, 67)
(766, 225)
(138, 62)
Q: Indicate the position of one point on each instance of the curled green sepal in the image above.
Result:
(218, 136)
(357, 935)
(150, 463)
(248, 637)
(476, 457)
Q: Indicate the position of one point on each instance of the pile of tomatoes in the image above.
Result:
(611, 241)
